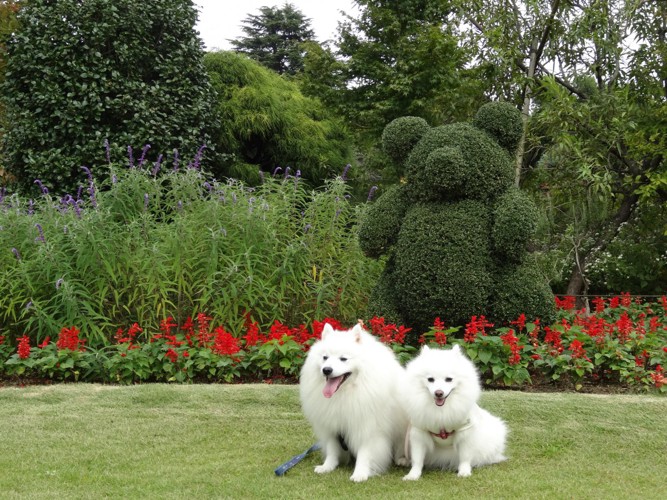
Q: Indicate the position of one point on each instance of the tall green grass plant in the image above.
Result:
(144, 245)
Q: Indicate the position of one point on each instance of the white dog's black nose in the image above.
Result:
(327, 370)
(439, 394)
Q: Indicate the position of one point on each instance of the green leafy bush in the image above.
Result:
(78, 73)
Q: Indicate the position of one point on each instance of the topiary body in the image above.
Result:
(457, 231)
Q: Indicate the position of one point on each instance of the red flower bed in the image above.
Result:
(622, 342)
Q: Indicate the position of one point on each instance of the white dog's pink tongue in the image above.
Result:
(331, 386)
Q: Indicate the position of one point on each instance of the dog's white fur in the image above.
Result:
(448, 429)
(363, 410)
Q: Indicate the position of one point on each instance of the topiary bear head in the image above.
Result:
(462, 160)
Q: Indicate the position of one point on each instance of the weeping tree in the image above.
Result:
(82, 72)
(265, 122)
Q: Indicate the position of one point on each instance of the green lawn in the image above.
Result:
(223, 441)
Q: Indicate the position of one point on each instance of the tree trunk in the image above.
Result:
(578, 284)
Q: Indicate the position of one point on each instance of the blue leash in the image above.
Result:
(280, 471)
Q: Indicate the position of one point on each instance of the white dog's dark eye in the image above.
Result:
(431, 379)
(325, 358)
(343, 359)
(448, 379)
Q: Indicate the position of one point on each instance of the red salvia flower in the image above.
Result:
(567, 303)
(476, 326)
(171, 355)
(68, 338)
(577, 349)
(45, 343)
(599, 304)
(24, 347)
(520, 322)
(318, 326)
(225, 343)
(204, 335)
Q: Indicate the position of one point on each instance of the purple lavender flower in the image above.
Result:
(107, 149)
(156, 166)
(130, 156)
(179, 205)
(59, 283)
(16, 253)
(142, 158)
(41, 233)
(307, 228)
(287, 172)
(31, 207)
(145, 201)
(198, 157)
(276, 170)
(42, 187)
(176, 160)
(208, 187)
(89, 174)
(345, 171)
(114, 179)
(371, 193)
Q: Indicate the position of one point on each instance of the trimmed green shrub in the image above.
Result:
(443, 263)
(482, 165)
(401, 135)
(515, 225)
(79, 73)
(518, 289)
(502, 121)
(387, 213)
(457, 221)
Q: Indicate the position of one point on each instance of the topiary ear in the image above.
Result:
(502, 121)
(401, 135)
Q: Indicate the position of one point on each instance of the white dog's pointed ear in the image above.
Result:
(425, 348)
(326, 330)
(357, 330)
(457, 349)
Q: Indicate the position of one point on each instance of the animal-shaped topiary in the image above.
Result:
(456, 232)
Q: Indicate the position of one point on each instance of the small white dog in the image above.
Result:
(349, 393)
(448, 429)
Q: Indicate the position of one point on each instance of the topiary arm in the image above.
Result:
(515, 224)
(382, 221)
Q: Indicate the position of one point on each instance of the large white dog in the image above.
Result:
(448, 429)
(349, 393)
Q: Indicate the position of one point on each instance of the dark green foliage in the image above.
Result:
(265, 122)
(515, 224)
(502, 121)
(463, 220)
(401, 135)
(442, 261)
(78, 73)
(486, 170)
(386, 215)
(521, 290)
(275, 38)
(383, 300)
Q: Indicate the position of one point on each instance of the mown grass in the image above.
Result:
(224, 441)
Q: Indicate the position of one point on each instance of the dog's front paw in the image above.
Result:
(324, 468)
(412, 476)
(359, 477)
(465, 470)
